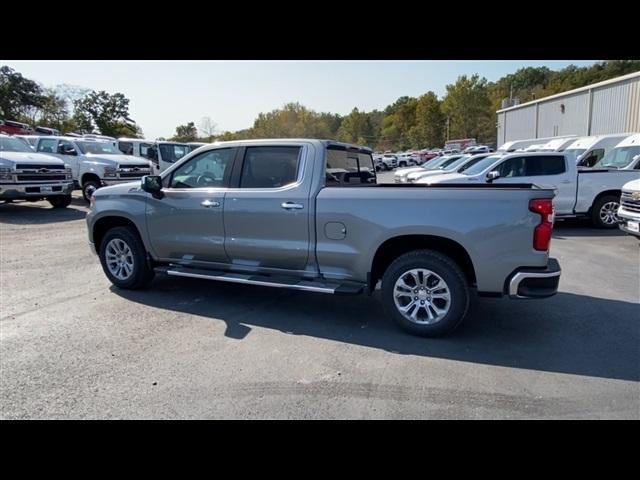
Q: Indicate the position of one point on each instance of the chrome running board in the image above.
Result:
(292, 283)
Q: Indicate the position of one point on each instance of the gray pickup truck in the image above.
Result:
(308, 215)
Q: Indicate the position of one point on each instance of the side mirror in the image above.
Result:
(153, 185)
(491, 176)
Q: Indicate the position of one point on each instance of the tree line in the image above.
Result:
(467, 110)
(68, 108)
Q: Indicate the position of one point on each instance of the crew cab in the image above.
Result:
(26, 175)
(579, 192)
(94, 163)
(308, 215)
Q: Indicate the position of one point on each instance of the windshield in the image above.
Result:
(456, 163)
(170, 152)
(435, 164)
(482, 165)
(10, 144)
(470, 163)
(97, 148)
(619, 157)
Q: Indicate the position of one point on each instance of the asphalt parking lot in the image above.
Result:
(72, 346)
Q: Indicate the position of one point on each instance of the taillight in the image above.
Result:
(542, 232)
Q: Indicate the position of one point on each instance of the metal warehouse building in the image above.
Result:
(612, 106)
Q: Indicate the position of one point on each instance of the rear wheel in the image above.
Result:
(88, 189)
(60, 201)
(604, 213)
(124, 259)
(426, 293)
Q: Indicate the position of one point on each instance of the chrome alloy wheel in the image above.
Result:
(609, 213)
(119, 259)
(422, 296)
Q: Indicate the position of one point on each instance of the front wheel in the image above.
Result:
(60, 201)
(426, 293)
(89, 188)
(124, 259)
(604, 213)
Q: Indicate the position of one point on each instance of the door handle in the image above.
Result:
(292, 206)
(209, 204)
(566, 181)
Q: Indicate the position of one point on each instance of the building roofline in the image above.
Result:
(575, 90)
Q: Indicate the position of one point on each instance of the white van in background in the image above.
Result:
(588, 151)
(162, 153)
(624, 156)
(523, 144)
(557, 144)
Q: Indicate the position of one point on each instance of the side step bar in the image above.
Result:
(292, 283)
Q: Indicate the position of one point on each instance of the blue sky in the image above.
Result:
(165, 94)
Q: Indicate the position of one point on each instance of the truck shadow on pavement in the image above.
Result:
(580, 227)
(568, 333)
(40, 213)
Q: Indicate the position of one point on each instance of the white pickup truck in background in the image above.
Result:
(629, 211)
(579, 192)
(94, 163)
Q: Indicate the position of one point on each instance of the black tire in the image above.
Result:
(442, 266)
(88, 188)
(599, 205)
(142, 273)
(402, 164)
(60, 201)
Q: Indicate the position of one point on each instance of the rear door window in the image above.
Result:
(346, 167)
(533, 166)
(545, 165)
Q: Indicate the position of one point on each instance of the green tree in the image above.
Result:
(428, 130)
(186, 133)
(469, 110)
(18, 94)
(109, 113)
(356, 128)
(396, 125)
(54, 113)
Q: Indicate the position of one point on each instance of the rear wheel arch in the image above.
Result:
(394, 247)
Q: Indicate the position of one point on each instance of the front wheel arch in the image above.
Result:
(103, 225)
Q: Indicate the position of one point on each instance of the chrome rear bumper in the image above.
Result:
(535, 283)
